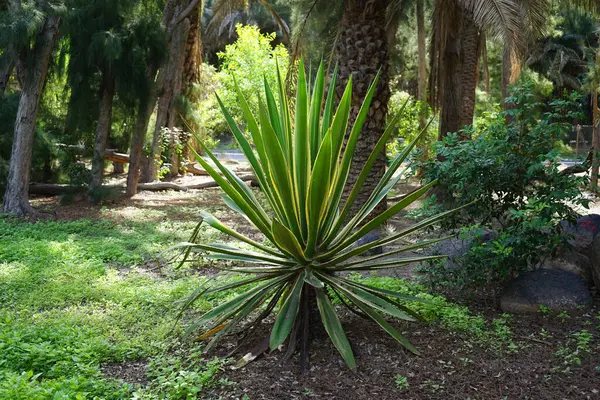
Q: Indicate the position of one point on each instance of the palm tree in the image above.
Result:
(455, 49)
(361, 52)
(564, 59)
(366, 29)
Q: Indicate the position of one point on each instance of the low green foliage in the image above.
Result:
(579, 346)
(401, 382)
(184, 374)
(435, 309)
(512, 172)
(72, 299)
(76, 296)
(408, 124)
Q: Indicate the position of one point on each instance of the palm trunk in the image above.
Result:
(16, 198)
(191, 76)
(107, 92)
(470, 50)
(458, 70)
(450, 83)
(361, 51)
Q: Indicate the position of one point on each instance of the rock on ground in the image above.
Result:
(582, 233)
(558, 290)
(456, 248)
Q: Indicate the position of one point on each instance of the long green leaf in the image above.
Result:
(379, 146)
(356, 294)
(315, 112)
(334, 328)
(386, 326)
(287, 315)
(318, 193)
(285, 240)
(381, 219)
(218, 225)
(301, 148)
(362, 249)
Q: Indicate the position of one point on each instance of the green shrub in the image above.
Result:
(246, 64)
(302, 167)
(408, 127)
(511, 171)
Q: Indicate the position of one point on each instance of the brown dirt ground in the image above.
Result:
(451, 366)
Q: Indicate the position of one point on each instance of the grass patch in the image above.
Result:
(73, 298)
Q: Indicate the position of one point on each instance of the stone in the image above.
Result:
(582, 233)
(456, 248)
(595, 262)
(558, 290)
(572, 261)
(368, 238)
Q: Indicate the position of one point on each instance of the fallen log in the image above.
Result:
(56, 189)
(213, 184)
(115, 157)
(196, 171)
(579, 168)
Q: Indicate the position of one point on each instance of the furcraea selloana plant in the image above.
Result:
(302, 167)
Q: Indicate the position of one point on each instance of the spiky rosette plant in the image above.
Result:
(302, 167)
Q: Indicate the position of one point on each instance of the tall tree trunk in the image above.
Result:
(470, 53)
(32, 65)
(484, 64)
(457, 67)
(7, 65)
(193, 53)
(450, 81)
(170, 80)
(595, 135)
(506, 68)
(361, 51)
(191, 77)
(107, 92)
(422, 59)
(144, 112)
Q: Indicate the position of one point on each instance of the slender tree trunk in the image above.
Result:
(422, 59)
(361, 51)
(170, 81)
(458, 70)
(193, 53)
(137, 143)
(484, 64)
(7, 65)
(107, 92)
(33, 66)
(506, 68)
(191, 77)
(596, 135)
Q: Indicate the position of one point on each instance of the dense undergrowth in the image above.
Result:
(76, 296)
